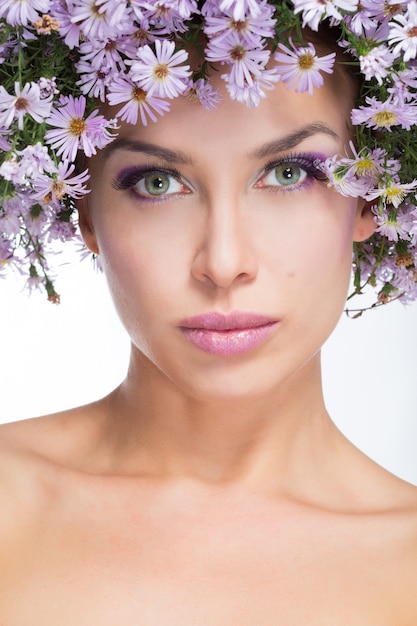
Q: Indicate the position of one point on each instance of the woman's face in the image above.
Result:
(225, 212)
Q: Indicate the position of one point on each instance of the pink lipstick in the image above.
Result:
(227, 335)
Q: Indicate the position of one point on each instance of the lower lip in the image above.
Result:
(228, 342)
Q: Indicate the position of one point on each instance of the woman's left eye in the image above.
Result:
(284, 174)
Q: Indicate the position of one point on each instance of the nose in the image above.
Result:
(225, 254)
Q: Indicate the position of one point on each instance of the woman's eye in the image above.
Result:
(151, 184)
(158, 184)
(284, 175)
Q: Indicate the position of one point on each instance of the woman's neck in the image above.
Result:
(152, 428)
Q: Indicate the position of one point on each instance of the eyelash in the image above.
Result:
(307, 162)
(131, 177)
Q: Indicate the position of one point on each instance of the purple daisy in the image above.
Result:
(138, 102)
(301, 66)
(22, 13)
(376, 114)
(201, 91)
(35, 160)
(100, 19)
(61, 184)
(369, 163)
(240, 9)
(94, 80)
(375, 63)
(393, 192)
(250, 29)
(72, 132)
(403, 33)
(314, 11)
(400, 90)
(393, 224)
(251, 94)
(108, 53)
(24, 101)
(246, 60)
(161, 73)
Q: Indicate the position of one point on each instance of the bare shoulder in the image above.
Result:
(401, 548)
(387, 516)
(34, 438)
(33, 454)
(377, 492)
(363, 555)
(52, 438)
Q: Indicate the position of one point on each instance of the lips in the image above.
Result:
(228, 335)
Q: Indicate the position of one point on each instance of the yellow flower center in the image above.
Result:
(385, 118)
(139, 94)
(392, 9)
(305, 61)
(393, 194)
(239, 25)
(141, 36)
(364, 166)
(237, 53)
(412, 32)
(163, 11)
(161, 71)
(192, 95)
(95, 10)
(59, 189)
(47, 199)
(77, 126)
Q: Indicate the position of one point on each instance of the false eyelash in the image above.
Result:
(128, 178)
(306, 160)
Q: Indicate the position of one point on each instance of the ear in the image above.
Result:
(86, 226)
(364, 222)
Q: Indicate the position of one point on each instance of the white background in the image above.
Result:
(54, 357)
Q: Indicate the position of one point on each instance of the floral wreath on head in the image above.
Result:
(60, 58)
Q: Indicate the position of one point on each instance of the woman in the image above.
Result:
(211, 487)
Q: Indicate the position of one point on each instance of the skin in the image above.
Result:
(212, 489)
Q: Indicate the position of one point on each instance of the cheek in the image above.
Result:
(327, 248)
(315, 251)
(329, 271)
(143, 253)
(318, 262)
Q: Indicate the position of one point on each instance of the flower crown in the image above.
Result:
(60, 58)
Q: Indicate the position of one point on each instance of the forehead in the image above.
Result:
(233, 127)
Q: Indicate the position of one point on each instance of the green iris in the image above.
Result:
(288, 174)
(157, 184)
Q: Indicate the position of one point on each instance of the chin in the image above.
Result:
(234, 384)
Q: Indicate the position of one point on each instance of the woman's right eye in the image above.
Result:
(152, 184)
(158, 184)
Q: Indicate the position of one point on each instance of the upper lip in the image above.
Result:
(232, 321)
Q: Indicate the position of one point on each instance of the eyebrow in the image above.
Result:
(293, 139)
(176, 156)
(165, 154)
